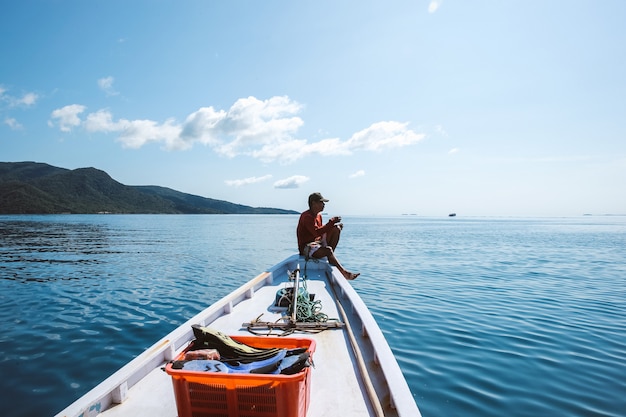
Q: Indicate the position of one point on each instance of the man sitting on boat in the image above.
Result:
(319, 240)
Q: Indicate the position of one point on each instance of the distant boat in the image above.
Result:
(452, 215)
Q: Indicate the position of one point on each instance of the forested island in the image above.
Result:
(39, 188)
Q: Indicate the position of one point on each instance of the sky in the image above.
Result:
(426, 107)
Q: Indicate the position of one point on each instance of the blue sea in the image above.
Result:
(486, 316)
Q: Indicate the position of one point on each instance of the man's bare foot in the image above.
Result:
(350, 276)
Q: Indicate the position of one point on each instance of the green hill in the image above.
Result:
(37, 188)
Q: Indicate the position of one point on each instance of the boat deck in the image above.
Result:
(336, 389)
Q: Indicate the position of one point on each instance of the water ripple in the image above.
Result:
(487, 317)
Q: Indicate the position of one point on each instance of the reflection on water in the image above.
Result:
(35, 248)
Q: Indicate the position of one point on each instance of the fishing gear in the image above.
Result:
(303, 312)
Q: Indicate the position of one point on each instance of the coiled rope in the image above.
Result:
(309, 317)
(308, 311)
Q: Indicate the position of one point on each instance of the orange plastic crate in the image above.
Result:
(214, 394)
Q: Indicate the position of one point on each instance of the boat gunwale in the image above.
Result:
(114, 388)
(401, 397)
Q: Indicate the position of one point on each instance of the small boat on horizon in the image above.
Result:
(353, 374)
(452, 215)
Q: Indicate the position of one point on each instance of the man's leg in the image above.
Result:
(332, 237)
(332, 259)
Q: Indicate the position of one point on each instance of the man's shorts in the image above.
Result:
(310, 248)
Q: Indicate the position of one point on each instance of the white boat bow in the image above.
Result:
(355, 372)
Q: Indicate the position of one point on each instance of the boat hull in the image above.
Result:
(355, 373)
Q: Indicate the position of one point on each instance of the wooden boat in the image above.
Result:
(355, 372)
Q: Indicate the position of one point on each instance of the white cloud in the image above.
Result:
(252, 123)
(27, 100)
(434, 5)
(247, 181)
(106, 85)
(202, 126)
(12, 123)
(67, 117)
(262, 129)
(102, 121)
(377, 137)
(292, 182)
(358, 174)
(286, 151)
(136, 133)
(383, 135)
(327, 147)
(453, 151)
(9, 101)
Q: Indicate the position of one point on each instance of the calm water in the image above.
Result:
(487, 317)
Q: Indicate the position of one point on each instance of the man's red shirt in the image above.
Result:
(310, 228)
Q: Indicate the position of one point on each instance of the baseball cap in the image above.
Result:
(317, 197)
